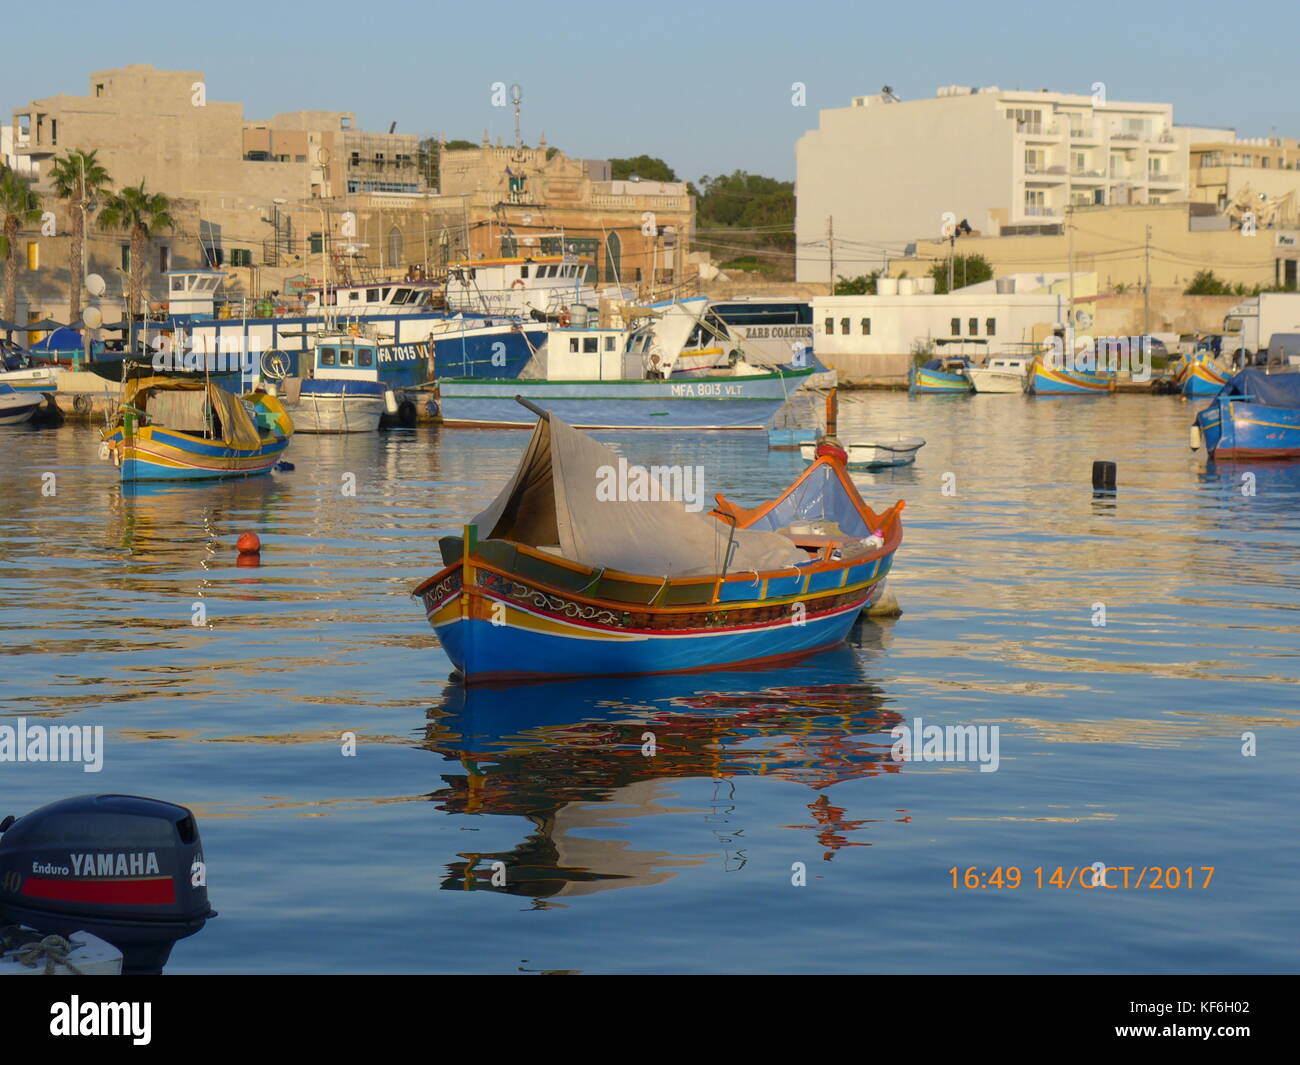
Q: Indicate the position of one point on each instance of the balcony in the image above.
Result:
(1038, 129)
(1091, 132)
(1038, 211)
(1088, 177)
(1164, 177)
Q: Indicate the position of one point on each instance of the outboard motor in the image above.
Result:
(125, 868)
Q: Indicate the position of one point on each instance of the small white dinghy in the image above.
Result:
(873, 454)
(17, 407)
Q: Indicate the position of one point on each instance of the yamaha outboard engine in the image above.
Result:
(124, 868)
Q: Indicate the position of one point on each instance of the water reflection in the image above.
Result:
(581, 766)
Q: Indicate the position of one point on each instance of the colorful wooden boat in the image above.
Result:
(552, 580)
(1046, 379)
(183, 428)
(1255, 416)
(940, 377)
(1203, 374)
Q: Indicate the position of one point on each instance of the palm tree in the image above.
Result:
(78, 178)
(141, 214)
(19, 206)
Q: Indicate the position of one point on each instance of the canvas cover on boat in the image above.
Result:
(183, 399)
(559, 495)
(1270, 389)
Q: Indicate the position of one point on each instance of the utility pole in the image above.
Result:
(952, 251)
(1146, 287)
(830, 240)
(1069, 269)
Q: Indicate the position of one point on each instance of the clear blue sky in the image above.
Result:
(705, 85)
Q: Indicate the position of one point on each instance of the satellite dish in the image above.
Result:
(95, 285)
(1083, 318)
(92, 317)
(322, 155)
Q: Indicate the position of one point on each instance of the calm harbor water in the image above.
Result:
(1120, 743)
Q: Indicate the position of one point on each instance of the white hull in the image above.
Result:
(17, 415)
(999, 381)
(874, 453)
(337, 414)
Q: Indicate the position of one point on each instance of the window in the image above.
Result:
(955, 325)
(99, 89)
(523, 271)
(366, 357)
(573, 345)
(327, 356)
(178, 284)
(165, 259)
(126, 256)
(355, 160)
(589, 346)
(316, 242)
(866, 327)
(54, 134)
(990, 327)
(33, 255)
(829, 327)
(844, 327)
(609, 343)
(372, 295)
(974, 324)
(345, 357)
(241, 257)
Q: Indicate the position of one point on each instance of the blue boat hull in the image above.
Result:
(479, 648)
(485, 355)
(692, 403)
(1235, 429)
(923, 382)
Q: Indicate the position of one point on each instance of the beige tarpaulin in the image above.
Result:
(559, 496)
(168, 400)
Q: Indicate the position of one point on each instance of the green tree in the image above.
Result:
(1204, 283)
(862, 285)
(19, 206)
(742, 213)
(78, 179)
(966, 270)
(647, 167)
(140, 214)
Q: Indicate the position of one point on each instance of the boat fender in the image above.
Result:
(104, 451)
(1194, 437)
(390, 402)
(407, 415)
(117, 456)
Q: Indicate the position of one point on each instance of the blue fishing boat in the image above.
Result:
(1048, 378)
(18, 407)
(185, 428)
(1256, 415)
(566, 574)
(941, 377)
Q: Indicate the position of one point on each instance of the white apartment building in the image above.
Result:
(883, 173)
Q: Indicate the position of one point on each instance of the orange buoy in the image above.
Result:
(248, 543)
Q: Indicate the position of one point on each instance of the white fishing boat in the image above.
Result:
(17, 407)
(346, 392)
(871, 454)
(1000, 374)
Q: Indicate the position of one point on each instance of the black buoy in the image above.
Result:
(1103, 476)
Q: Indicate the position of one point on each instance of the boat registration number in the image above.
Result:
(707, 388)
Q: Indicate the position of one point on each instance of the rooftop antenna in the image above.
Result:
(518, 101)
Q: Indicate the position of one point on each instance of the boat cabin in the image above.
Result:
(192, 293)
(346, 358)
(1008, 363)
(519, 285)
(589, 355)
(376, 297)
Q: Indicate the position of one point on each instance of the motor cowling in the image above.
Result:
(125, 868)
